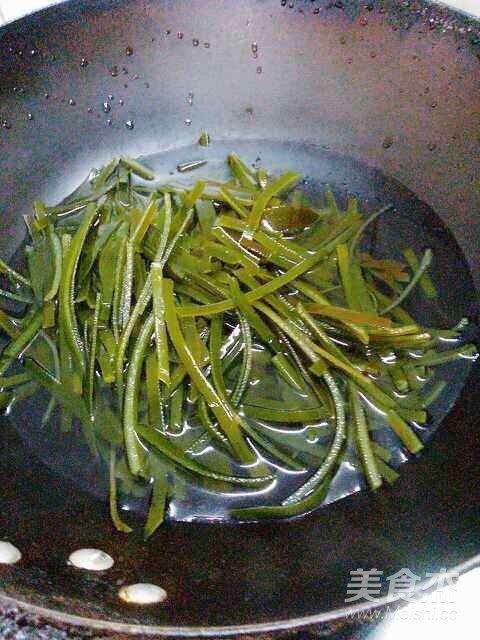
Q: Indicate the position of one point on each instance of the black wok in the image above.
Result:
(345, 90)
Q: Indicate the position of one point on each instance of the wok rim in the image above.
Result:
(229, 630)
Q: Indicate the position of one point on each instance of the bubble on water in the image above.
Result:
(291, 5)
(195, 42)
(188, 121)
(114, 71)
(434, 105)
(388, 142)
(107, 107)
(30, 116)
(130, 124)
(259, 70)
(180, 35)
(46, 96)
(84, 62)
(128, 51)
(33, 52)
(168, 32)
(283, 2)
(109, 122)
(72, 102)
(121, 102)
(254, 48)
(190, 97)
(111, 96)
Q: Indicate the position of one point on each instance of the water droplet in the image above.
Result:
(120, 102)
(363, 21)
(142, 594)
(33, 52)
(190, 98)
(46, 96)
(388, 142)
(111, 97)
(107, 107)
(91, 560)
(195, 42)
(254, 49)
(84, 62)
(8, 553)
(130, 124)
(283, 2)
(72, 102)
(114, 71)
(30, 116)
(109, 122)
(206, 45)
(259, 70)
(128, 51)
(188, 121)
(180, 35)
(291, 5)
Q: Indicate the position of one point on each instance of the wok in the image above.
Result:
(381, 98)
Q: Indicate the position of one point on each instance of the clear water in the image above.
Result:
(413, 224)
